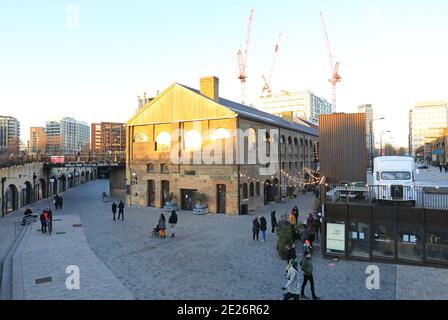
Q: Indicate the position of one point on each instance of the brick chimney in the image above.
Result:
(210, 87)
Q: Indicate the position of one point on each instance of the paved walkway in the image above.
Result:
(214, 257)
(49, 256)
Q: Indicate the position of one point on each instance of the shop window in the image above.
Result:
(383, 240)
(437, 244)
(410, 243)
(358, 244)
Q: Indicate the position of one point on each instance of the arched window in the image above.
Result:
(252, 140)
(257, 188)
(290, 166)
(306, 143)
(301, 142)
(163, 141)
(252, 189)
(245, 193)
(141, 137)
(267, 139)
(164, 168)
(192, 141)
(150, 167)
(220, 133)
(289, 140)
(282, 139)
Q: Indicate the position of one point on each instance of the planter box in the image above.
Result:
(200, 211)
(168, 207)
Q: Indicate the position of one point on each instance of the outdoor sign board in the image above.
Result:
(336, 236)
(57, 159)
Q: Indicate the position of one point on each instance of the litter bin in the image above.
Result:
(244, 209)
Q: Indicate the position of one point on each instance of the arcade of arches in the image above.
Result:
(24, 185)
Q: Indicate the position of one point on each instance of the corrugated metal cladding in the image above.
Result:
(342, 147)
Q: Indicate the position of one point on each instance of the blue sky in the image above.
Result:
(390, 54)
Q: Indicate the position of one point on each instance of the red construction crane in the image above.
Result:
(242, 58)
(335, 77)
(267, 83)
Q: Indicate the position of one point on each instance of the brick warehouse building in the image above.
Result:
(231, 188)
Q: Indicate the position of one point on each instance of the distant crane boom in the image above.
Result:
(267, 83)
(334, 67)
(242, 56)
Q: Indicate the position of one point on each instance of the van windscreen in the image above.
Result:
(396, 175)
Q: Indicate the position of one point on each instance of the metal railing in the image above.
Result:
(117, 157)
(427, 197)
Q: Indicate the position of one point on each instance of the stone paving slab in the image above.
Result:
(49, 256)
(421, 283)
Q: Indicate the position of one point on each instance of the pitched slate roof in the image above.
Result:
(256, 115)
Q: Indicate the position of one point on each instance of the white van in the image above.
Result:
(394, 179)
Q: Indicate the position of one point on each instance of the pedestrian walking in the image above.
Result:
(273, 221)
(307, 268)
(61, 202)
(293, 284)
(255, 228)
(296, 214)
(162, 226)
(114, 209)
(307, 248)
(263, 228)
(50, 220)
(43, 221)
(121, 210)
(172, 220)
(318, 225)
(311, 226)
(440, 167)
(56, 202)
(292, 218)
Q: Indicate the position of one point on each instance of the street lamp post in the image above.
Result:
(371, 140)
(381, 141)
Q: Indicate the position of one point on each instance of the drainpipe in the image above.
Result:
(3, 196)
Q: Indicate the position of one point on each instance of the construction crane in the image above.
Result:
(242, 58)
(267, 83)
(335, 77)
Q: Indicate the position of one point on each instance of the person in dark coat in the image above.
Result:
(56, 202)
(114, 209)
(61, 202)
(172, 220)
(307, 268)
(49, 220)
(263, 228)
(121, 210)
(296, 214)
(292, 255)
(255, 228)
(311, 226)
(273, 221)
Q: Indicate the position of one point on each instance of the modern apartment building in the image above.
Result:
(303, 104)
(67, 136)
(426, 121)
(370, 137)
(9, 134)
(38, 140)
(108, 137)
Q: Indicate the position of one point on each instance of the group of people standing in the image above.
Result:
(120, 207)
(309, 235)
(46, 221)
(261, 225)
(443, 166)
(160, 227)
(58, 202)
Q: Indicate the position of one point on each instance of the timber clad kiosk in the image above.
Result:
(397, 234)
